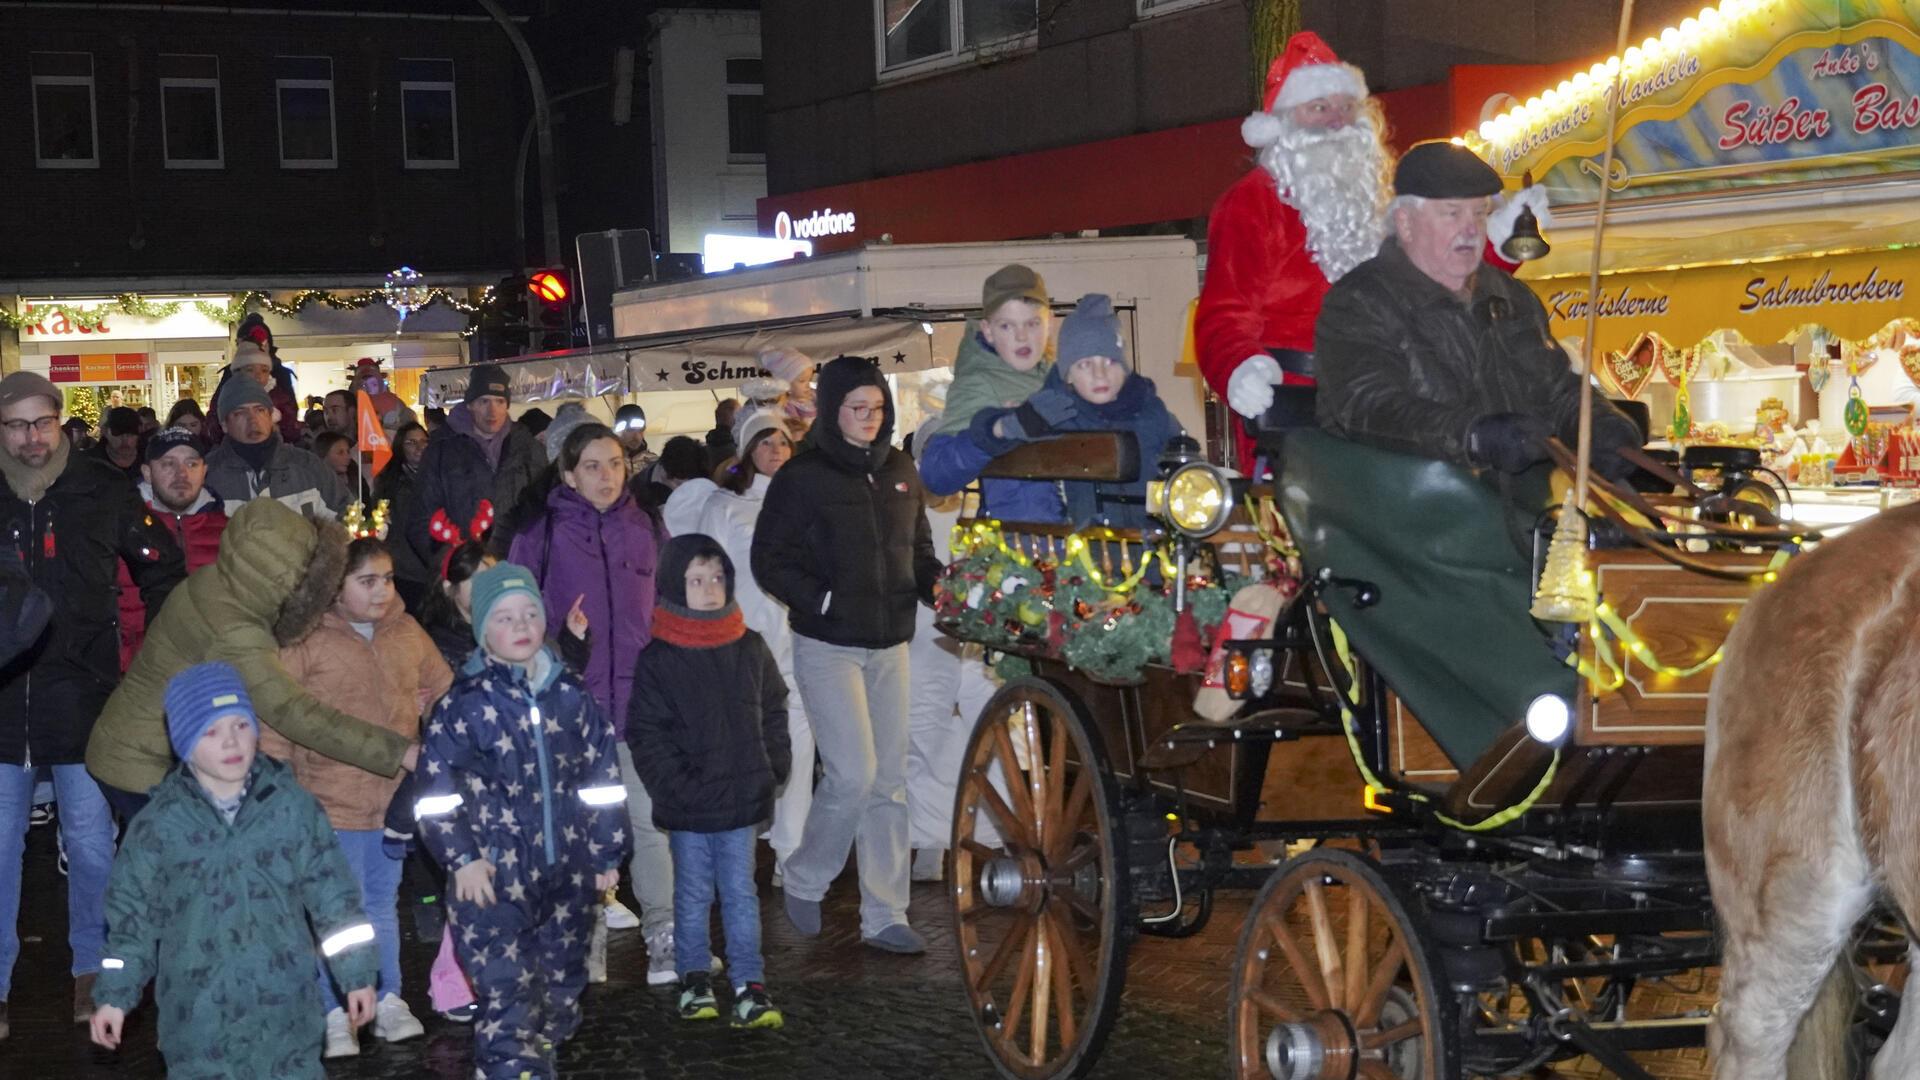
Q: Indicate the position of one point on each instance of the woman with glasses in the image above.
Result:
(843, 542)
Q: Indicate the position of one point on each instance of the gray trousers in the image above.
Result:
(857, 700)
(651, 867)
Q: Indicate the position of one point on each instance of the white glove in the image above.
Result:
(1250, 387)
(1506, 211)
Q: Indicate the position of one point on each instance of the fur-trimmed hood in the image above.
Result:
(284, 569)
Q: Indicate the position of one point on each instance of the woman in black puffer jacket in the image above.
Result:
(843, 542)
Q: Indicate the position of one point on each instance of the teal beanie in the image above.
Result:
(494, 584)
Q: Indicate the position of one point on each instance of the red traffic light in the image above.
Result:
(548, 286)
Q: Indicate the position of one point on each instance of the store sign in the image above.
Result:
(1852, 296)
(97, 367)
(187, 322)
(1742, 103)
(818, 224)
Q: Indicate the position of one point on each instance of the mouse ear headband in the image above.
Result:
(442, 528)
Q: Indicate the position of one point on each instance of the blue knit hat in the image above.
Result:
(494, 584)
(1092, 329)
(200, 695)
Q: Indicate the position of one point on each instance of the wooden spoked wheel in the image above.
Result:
(1039, 883)
(1331, 980)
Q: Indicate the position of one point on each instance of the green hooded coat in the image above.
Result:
(218, 916)
(276, 575)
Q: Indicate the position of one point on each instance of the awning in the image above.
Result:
(1851, 296)
(714, 362)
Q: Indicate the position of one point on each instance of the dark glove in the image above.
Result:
(1045, 413)
(1510, 442)
(400, 824)
(1612, 434)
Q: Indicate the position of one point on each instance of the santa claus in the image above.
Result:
(1313, 209)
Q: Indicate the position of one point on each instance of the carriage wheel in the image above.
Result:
(1039, 883)
(1331, 980)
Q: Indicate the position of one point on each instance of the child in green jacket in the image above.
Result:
(211, 895)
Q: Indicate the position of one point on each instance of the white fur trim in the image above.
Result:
(1317, 81)
(1261, 130)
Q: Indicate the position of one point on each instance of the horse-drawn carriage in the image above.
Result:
(1473, 837)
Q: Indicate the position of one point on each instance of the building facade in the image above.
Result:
(709, 123)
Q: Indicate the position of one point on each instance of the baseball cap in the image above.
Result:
(122, 421)
(1012, 282)
(22, 385)
(161, 442)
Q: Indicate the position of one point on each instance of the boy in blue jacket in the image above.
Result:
(1089, 389)
(520, 798)
(708, 727)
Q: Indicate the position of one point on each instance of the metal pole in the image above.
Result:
(543, 127)
(1585, 449)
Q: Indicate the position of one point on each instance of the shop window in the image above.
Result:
(190, 111)
(428, 115)
(66, 132)
(746, 111)
(1161, 7)
(917, 33)
(304, 88)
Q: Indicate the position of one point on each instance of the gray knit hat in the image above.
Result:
(240, 390)
(565, 419)
(1092, 329)
(21, 385)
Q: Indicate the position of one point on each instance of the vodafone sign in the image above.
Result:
(820, 223)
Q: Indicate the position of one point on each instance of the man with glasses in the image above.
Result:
(72, 519)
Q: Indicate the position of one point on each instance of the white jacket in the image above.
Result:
(701, 506)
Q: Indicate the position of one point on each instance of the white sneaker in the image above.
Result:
(620, 917)
(597, 953)
(930, 864)
(394, 1022)
(779, 874)
(341, 1041)
(660, 969)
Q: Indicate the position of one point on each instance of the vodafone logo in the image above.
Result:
(813, 226)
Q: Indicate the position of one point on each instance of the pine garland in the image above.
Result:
(1270, 24)
(88, 317)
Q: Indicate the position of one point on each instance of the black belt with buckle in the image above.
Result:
(1294, 362)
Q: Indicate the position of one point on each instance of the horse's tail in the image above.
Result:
(1819, 1050)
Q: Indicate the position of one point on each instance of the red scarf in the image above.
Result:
(689, 629)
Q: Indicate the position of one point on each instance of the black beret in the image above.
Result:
(1439, 169)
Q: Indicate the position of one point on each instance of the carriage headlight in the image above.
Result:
(1197, 499)
(1548, 718)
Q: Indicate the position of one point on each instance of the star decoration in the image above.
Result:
(662, 372)
(900, 358)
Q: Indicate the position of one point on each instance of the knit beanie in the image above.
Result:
(197, 697)
(21, 385)
(494, 584)
(1092, 329)
(786, 364)
(670, 583)
(240, 390)
(488, 380)
(248, 354)
(750, 424)
(569, 416)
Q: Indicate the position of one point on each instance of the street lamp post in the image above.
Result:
(543, 130)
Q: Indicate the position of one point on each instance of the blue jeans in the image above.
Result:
(86, 828)
(702, 864)
(379, 876)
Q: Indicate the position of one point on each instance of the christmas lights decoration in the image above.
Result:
(90, 315)
(405, 292)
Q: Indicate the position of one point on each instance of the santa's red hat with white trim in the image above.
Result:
(1306, 69)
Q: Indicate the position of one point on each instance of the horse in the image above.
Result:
(1811, 800)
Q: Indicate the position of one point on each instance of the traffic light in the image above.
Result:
(549, 310)
(501, 329)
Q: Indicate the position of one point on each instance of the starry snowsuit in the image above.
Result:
(522, 772)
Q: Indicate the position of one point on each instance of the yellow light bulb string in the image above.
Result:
(981, 534)
(1351, 727)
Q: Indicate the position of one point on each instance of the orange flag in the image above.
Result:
(373, 438)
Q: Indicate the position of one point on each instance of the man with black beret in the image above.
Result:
(481, 454)
(1428, 350)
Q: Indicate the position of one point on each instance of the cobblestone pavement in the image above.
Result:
(852, 1012)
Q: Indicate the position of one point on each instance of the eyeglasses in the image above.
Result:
(865, 412)
(45, 425)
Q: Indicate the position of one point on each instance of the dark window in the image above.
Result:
(190, 111)
(64, 127)
(304, 88)
(428, 116)
(746, 109)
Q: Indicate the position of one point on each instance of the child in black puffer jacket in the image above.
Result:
(708, 727)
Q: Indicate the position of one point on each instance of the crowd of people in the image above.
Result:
(566, 659)
(571, 658)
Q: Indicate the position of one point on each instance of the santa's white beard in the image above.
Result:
(1337, 180)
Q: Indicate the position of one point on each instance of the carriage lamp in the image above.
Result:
(1239, 675)
(1548, 718)
(1260, 672)
(1196, 499)
(1247, 672)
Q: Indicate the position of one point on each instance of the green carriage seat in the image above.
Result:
(1450, 632)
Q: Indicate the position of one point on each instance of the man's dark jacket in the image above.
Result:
(72, 540)
(842, 537)
(454, 476)
(1407, 365)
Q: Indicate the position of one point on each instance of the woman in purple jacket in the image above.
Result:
(596, 548)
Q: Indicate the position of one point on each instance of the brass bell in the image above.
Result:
(1526, 243)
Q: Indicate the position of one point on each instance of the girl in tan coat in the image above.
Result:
(370, 660)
